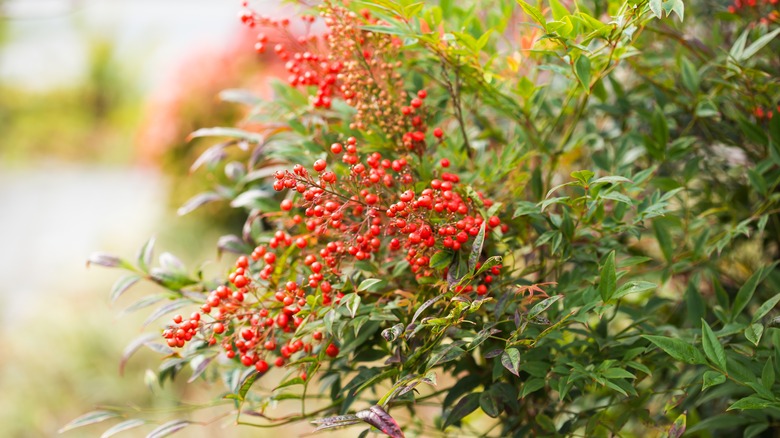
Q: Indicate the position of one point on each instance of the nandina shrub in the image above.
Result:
(527, 217)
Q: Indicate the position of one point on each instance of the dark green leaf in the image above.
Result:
(746, 293)
(489, 404)
(465, 406)
(441, 259)
(608, 278)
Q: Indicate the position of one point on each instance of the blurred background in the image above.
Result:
(96, 99)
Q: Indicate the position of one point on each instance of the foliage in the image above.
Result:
(547, 224)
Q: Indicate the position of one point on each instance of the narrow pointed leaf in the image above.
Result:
(168, 428)
(712, 346)
(89, 418)
(678, 349)
(123, 426)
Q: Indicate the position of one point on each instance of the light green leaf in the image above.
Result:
(534, 12)
(678, 349)
(750, 402)
(753, 333)
(582, 71)
(633, 287)
(758, 45)
(372, 284)
(766, 307)
(712, 378)
(712, 346)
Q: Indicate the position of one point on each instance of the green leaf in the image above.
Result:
(750, 402)
(582, 71)
(532, 385)
(766, 307)
(617, 373)
(372, 285)
(678, 349)
(445, 353)
(768, 374)
(611, 179)
(712, 346)
(664, 239)
(543, 305)
(678, 427)
(608, 278)
(144, 258)
(583, 176)
(489, 263)
(441, 260)
(124, 284)
(753, 333)
(290, 382)
(510, 359)
(465, 406)
(525, 208)
(656, 9)
(123, 426)
(678, 7)
(89, 418)
(534, 12)
(489, 404)
(690, 76)
(746, 293)
(168, 428)
(351, 302)
(476, 247)
(246, 385)
(227, 132)
(712, 378)
(758, 45)
(633, 287)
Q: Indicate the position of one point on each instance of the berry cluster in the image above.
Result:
(763, 11)
(353, 64)
(349, 207)
(253, 330)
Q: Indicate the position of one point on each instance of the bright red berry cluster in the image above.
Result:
(349, 207)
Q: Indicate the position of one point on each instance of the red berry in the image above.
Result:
(438, 133)
(444, 162)
(261, 366)
(317, 336)
(332, 350)
(336, 148)
(286, 205)
(320, 165)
